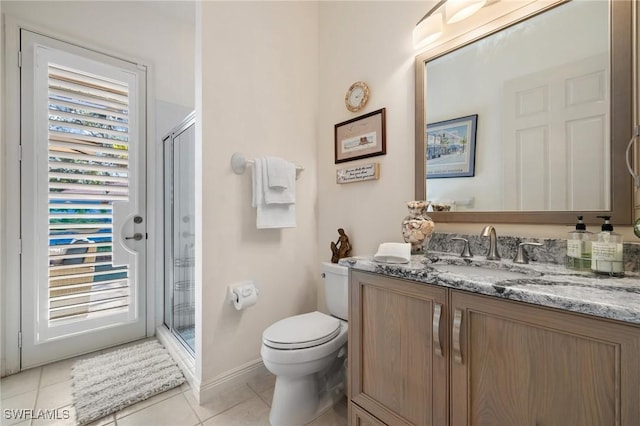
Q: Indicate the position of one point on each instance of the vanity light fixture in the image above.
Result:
(457, 10)
(430, 27)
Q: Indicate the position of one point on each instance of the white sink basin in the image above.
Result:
(478, 271)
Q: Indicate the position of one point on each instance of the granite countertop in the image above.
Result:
(542, 284)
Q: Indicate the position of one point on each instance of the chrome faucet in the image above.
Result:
(490, 231)
(466, 251)
(521, 255)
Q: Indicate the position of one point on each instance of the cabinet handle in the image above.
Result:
(437, 312)
(457, 322)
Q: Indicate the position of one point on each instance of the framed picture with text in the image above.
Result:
(360, 137)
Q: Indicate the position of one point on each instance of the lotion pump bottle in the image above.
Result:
(579, 247)
(606, 251)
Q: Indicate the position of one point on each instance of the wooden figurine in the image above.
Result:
(341, 248)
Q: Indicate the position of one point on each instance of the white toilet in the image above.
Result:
(308, 355)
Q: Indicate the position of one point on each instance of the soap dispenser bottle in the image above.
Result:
(579, 247)
(606, 251)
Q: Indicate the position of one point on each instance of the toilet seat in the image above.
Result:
(301, 331)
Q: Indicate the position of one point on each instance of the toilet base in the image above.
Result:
(299, 400)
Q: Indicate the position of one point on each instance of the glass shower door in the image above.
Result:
(179, 190)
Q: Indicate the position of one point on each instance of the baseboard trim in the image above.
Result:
(241, 374)
(205, 392)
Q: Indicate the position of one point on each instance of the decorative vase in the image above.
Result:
(417, 227)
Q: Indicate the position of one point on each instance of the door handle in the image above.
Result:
(137, 236)
(457, 323)
(437, 312)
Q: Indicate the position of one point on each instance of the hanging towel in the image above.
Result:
(279, 173)
(269, 215)
(283, 172)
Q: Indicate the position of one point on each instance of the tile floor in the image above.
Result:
(246, 404)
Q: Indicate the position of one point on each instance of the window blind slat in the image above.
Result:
(88, 126)
(84, 80)
(89, 315)
(94, 79)
(58, 257)
(84, 157)
(89, 197)
(66, 205)
(106, 105)
(56, 135)
(111, 189)
(98, 304)
(82, 108)
(80, 89)
(83, 298)
(65, 167)
(53, 269)
(80, 216)
(60, 249)
(88, 177)
(79, 116)
(62, 280)
(57, 313)
(87, 148)
(80, 236)
(78, 226)
(59, 290)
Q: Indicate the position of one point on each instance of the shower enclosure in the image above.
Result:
(179, 235)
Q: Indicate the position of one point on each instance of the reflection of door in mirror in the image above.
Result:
(541, 92)
(556, 133)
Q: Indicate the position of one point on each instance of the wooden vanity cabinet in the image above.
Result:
(520, 364)
(359, 417)
(502, 363)
(398, 367)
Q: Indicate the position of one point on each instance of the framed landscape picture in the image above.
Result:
(451, 147)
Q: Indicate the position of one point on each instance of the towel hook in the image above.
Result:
(238, 163)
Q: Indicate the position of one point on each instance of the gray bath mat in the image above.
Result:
(107, 383)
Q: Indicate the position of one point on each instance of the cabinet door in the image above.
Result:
(398, 365)
(359, 417)
(517, 364)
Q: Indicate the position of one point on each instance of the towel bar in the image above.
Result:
(239, 164)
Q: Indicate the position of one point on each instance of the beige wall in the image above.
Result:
(116, 27)
(258, 76)
(379, 51)
(368, 41)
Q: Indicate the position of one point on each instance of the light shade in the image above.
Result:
(427, 31)
(457, 10)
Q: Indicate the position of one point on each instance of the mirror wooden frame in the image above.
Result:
(623, 57)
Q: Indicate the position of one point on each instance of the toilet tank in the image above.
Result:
(336, 289)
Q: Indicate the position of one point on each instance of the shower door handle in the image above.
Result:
(137, 236)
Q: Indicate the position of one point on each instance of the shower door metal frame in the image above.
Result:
(168, 203)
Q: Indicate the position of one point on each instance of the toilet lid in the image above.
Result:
(301, 331)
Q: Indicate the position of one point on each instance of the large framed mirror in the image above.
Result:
(552, 92)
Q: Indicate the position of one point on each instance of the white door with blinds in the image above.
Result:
(83, 221)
